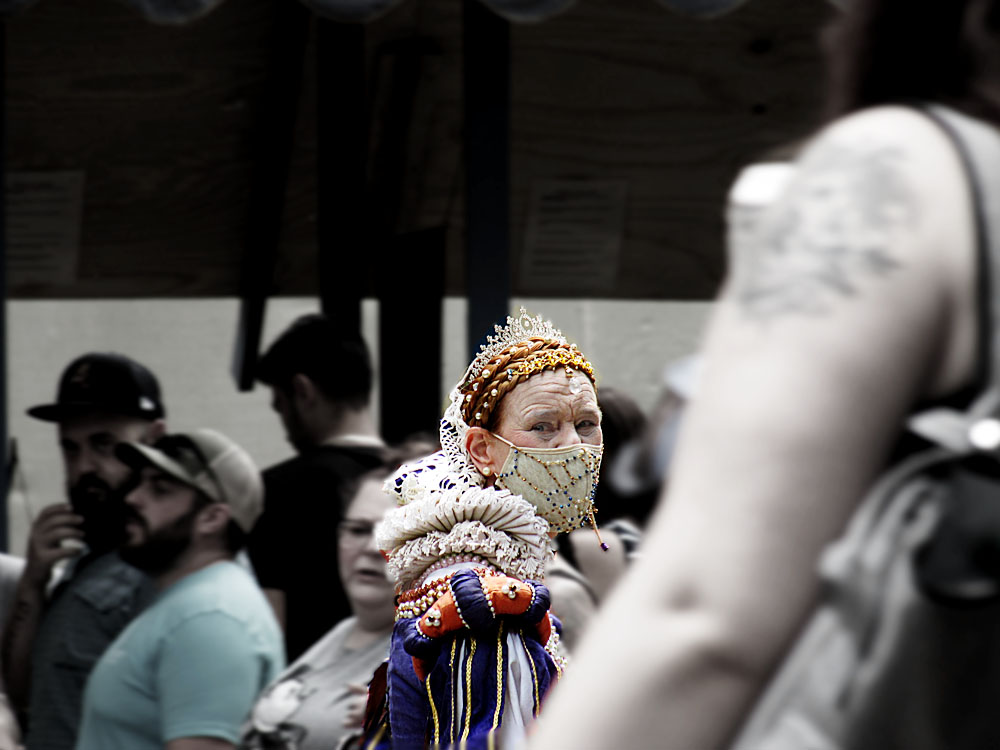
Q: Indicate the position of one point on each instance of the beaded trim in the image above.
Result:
(415, 602)
(554, 648)
(550, 359)
(449, 560)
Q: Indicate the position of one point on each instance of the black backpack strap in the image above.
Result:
(978, 148)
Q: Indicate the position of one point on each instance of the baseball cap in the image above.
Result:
(208, 461)
(106, 382)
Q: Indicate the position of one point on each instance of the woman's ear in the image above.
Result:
(484, 450)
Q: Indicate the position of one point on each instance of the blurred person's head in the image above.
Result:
(194, 493)
(317, 374)
(363, 572)
(362, 567)
(949, 53)
(623, 423)
(642, 465)
(622, 420)
(102, 399)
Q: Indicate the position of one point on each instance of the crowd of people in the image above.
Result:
(183, 598)
(497, 586)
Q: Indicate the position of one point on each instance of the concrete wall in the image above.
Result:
(189, 343)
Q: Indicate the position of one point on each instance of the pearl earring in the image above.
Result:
(487, 471)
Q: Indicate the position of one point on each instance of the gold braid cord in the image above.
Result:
(485, 390)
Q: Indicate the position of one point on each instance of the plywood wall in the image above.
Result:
(159, 120)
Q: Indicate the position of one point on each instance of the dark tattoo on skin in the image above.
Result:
(832, 236)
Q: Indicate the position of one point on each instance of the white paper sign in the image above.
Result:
(44, 212)
(573, 236)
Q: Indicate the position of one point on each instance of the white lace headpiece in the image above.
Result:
(446, 507)
(451, 467)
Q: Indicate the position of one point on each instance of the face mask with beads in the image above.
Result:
(559, 482)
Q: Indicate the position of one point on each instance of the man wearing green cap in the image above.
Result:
(186, 672)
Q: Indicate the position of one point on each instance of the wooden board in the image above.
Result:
(160, 119)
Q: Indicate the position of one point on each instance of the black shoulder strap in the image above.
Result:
(978, 147)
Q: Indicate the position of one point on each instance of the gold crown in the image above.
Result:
(518, 329)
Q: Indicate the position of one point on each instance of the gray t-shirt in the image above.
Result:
(305, 708)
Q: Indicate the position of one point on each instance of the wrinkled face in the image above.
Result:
(95, 477)
(362, 567)
(160, 521)
(283, 403)
(549, 410)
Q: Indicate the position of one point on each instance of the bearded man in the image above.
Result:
(185, 673)
(57, 629)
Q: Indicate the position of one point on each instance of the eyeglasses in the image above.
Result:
(355, 533)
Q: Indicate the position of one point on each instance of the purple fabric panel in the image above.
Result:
(409, 709)
(172, 11)
(361, 11)
(528, 11)
(350, 11)
(356, 11)
(410, 716)
(702, 8)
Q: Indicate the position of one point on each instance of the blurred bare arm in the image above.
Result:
(855, 303)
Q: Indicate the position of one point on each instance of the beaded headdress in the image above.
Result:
(537, 346)
(519, 329)
(446, 507)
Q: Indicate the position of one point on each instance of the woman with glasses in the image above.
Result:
(319, 701)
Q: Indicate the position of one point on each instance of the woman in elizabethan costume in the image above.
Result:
(474, 648)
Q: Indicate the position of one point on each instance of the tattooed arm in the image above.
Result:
(854, 301)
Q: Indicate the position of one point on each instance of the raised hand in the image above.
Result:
(47, 542)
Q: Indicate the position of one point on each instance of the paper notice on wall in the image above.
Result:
(573, 237)
(44, 213)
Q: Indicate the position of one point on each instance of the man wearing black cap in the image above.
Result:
(187, 671)
(50, 643)
(321, 384)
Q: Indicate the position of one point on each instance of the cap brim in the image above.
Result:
(137, 456)
(56, 412)
(64, 411)
(45, 412)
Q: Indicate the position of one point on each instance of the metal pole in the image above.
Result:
(486, 83)
(343, 233)
(5, 455)
(273, 143)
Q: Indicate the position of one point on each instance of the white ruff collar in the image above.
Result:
(495, 525)
(446, 507)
